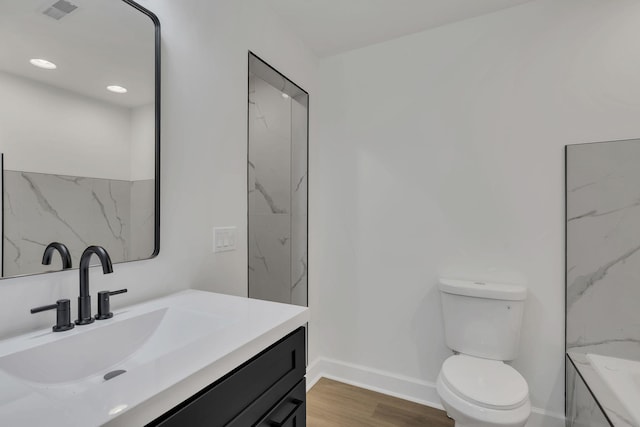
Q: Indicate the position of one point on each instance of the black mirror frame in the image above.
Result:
(157, 76)
(157, 47)
(156, 23)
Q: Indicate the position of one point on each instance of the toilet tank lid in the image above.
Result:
(481, 289)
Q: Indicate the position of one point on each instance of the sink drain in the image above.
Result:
(113, 374)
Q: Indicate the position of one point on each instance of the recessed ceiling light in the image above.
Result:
(43, 63)
(285, 96)
(117, 89)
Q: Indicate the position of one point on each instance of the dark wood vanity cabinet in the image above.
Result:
(266, 391)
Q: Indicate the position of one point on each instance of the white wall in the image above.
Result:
(204, 142)
(142, 142)
(50, 130)
(441, 154)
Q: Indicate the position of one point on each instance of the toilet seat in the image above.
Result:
(486, 383)
(468, 414)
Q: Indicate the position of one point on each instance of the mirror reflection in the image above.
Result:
(77, 131)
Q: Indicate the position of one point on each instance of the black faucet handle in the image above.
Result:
(104, 305)
(63, 314)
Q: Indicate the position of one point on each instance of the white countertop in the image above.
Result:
(145, 392)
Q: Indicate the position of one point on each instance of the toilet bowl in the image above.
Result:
(479, 392)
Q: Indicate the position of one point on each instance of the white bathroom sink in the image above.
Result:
(118, 372)
(115, 344)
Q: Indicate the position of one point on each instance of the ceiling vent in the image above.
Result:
(60, 9)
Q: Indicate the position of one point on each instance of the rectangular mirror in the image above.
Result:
(79, 130)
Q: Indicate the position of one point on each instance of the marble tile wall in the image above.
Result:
(277, 195)
(76, 211)
(599, 405)
(142, 232)
(603, 248)
(299, 148)
(603, 264)
(582, 409)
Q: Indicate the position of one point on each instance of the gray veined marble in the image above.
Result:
(269, 259)
(299, 219)
(581, 284)
(594, 213)
(77, 211)
(590, 402)
(582, 409)
(270, 152)
(267, 198)
(603, 273)
(142, 236)
(277, 189)
(603, 249)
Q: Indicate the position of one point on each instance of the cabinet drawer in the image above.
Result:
(290, 412)
(271, 373)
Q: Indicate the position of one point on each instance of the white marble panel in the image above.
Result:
(299, 187)
(112, 200)
(270, 257)
(299, 260)
(142, 234)
(277, 185)
(76, 211)
(582, 408)
(269, 150)
(603, 248)
(598, 402)
(299, 149)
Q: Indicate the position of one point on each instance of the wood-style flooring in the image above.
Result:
(335, 404)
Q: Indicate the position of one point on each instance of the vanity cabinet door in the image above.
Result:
(243, 396)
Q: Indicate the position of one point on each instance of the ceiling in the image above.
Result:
(329, 27)
(102, 42)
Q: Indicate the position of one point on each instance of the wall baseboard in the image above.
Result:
(422, 392)
(406, 388)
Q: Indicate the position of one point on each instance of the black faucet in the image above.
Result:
(64, 254)
(84, 300)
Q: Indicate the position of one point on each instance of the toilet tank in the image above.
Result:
(482, 319)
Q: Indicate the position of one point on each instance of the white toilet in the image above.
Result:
(482, 323)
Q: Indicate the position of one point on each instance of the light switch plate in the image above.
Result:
(224, 239)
